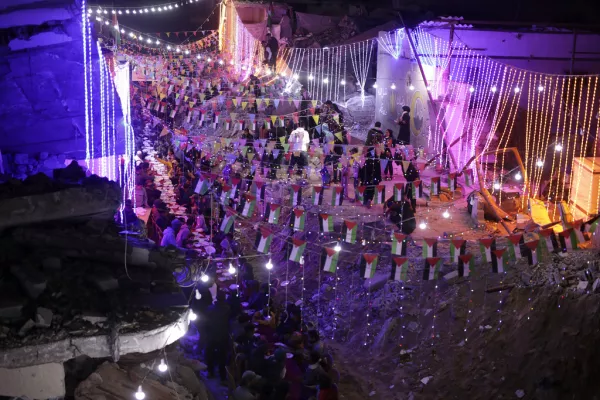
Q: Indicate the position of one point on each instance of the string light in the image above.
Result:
(337, 247)
(198, 295)
(517, 89)
(497, 185)
(232, 269)
(140, 395)
(422, 225)
(518, 176)
(269, 265)
(162, 367)
(493, 89)
(539, 163)
(446, 214)
(411, 87)
(540, 88)
(375, 85)
(393, 87)
(204, 278)
(558, 147)
(192, 316)
(471, 89)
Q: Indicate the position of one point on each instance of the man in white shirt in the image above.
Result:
(299, 140)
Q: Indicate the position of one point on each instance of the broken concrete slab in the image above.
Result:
(376, 282)
(32, 280)
(104, 281)
(34, 382)
(12, 308)
(93, 317)
(29, 325)
(43, 317)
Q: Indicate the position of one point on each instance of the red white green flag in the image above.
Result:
(548, 242)
(329, 259)
(399, 244)
(296, 195)
(434, 189)
(429, 248)
(369, 263)
(326, 223)
(360, 193)
(457, 248)
(298, 218)
(298, 247)
(514, 246)
(317, 195)
(485, 246)
(379, 197)
(532, 247)
(451, 182)
(235, 186)
(568, 240)
(399, 269)
(577, 227)
(591, 225)
(337, 196)
(204, 184)
(466, 264)
(228, 220)
(432, 268)
(468, 174)
(350, 231)
(225, 194)
(264, 237)
(499, 260)
(258, 189)
(272, 213)
(398, 191)
(417, 189)
(247, 205)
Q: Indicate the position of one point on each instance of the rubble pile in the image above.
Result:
(22, 165)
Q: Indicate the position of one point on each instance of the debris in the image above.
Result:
(29, 325)
(371, 394)
(31, 280)
(413, 326)
(11, 308)
(425, 380)
(43, 317)
(93, 317)
(520, 393)
(451, 275)
(51, 263)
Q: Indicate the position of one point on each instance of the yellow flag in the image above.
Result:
(234, 102)
(244, 104)
(282, 139)
(316, 118)
(259, 102)
(267, 102)
(314, 103)
(250, 156)
(273, 119)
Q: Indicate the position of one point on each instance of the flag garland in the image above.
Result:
(398, 191)
(466, 265)
(272, 213)
(458, 247)
(434, 188)
(228, 220)
(298, 218)
(451, 182)
(532, 247)
(350, 231)
(326, 223)
(399, 269)
(225, 194)
(203, 185)
(247, 206)
(379, 197)
(298, 247)
(337, 196)
(329, 259)
(264, 237)
(486, 246)
(369, 264)
(417, 189)
(548, 241)
(429, 248)
(578, 229)
(360, 193)
(296, 195)
(432, 268)
(399, 244)
(235, 186)
(514, 246)
(317, 195)
(258, 188)
(568, 240)
(591, 225)
(499, 260)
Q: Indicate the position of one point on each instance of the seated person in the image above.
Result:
(315, 343)
(248, 387)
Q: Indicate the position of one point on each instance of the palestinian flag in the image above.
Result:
(399, 244)
(368, 264)
(264, 237)
(399, 269)
(417, 189)
(317, 196)
(532, 248)
(247, 206)
(452, 182)
(578, 228)
(432, 268)
(434, 189)
(326, 223)
(499, 260)
(228, 221)
(337, 196)
(468, 174)
(350, 231)
(548, 242)
(429, 248)
(568, 240)
(379, 197)
(296, 195)
(298, 218)
(225, 194)
(514, 246)
(235, 186)
(329, 259)
(298, 247)
(398, 191)
(203, 185)
(258, 188)
(591, 225)
(466, 264)
(486, 246)
(360, 193)
(458, 247)
(272, 213)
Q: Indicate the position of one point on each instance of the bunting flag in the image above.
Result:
(485, 246)
(225, 194)
(296, 195)
(228, 221)
(272, 213)
(429, 248)
(434, 189)
(203, 185)
(452, 182)
(298, 217)
(247, 206)
(499, 260)
(298, 247)
(264, 237)
(417, 189)
(398, 191)
(329, 259)
(399, 244)
(399, 269)
(350, 231)
(548, 242)
(532, 247)
(369, 264)
(458, 247)
(360, 194)
(468, 174)
(235, 185)
(466, 265)
(337, 196)
(432, 268)
(514, 246)
(317, 196)
(591, 225)
(379, 197)
(568, 240)
(578, 229)
(326, 223)
(258, 188)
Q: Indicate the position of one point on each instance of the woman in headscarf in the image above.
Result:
(404, 122)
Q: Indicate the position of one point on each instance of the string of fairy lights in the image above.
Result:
(140, 10)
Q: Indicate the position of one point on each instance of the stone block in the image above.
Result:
(32, 280)
(93, 317)
(104, 281)
(52, 263)
(451, 275)
(27, 326)
(36, 382)
(376, 282)
(11, 308)
(21, 159)
(43, 317)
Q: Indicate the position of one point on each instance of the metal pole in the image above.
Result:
(573, 52)
(433, 104)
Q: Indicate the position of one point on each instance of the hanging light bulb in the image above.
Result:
(220, 62)
(364, 242)
(209, 59)
(558, 147)
(269, 265)
(168, 47)
(337, 247)
(162, 367)
(497, 185)
(135, 12)
(269, 72)
(422, 225)
(411, 87)
(159, 9)
(302, 260)
(204, 278)
(120, 12)
(231, 62)
(126, 11)
(393, 87)
(153, 9)
(310, 77)
(192, 315)
(232, 269)
(296, 76)
(471, 89)
(540, 88)
(178, 49)
(122, 30)
(518, 176)
(140, 395)
(343, 82)
(157, 42)
(325, 81)
(149, 41)
(446, 214)
(539, 163)
(375, 85)
(494, 89)
(517, 89)
(198, 295)
(106, 22)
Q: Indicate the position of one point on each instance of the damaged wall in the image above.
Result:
(42, 80)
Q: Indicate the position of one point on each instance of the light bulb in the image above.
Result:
(120, 12)
(269, 265)
(159, 9)
(471, 89)
(497, 185)
(342, 82)
(337, 247)
(494, 89)
(204, 278)
(325, 80)
(422, 225)
(517, 89)
(558, 147)
(375, 85)
(540, 88)
(231, 62)
(393, 87)
(187, 52)
(296, 76)
(178, 49)
(105, 12)
(162, 367)
(539, 163)
(153, 9)
(168, 47)
(209, 59)
(99, 11)
(140, 395)
(302, 260)
(518, 176)
(269, 72)
(446, 214)
(232, 269)
(364, 242)
(126, 11)
(106, 22)
(198, 295)
(411, 87)
(135, 12)
(192, 316)
(149, 41)
(122, 30)
(157, 42)
(220, 62)
(310, 77)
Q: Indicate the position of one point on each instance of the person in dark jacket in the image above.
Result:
(217, 339)
(388, 170)
(404, 122)
(402, 214)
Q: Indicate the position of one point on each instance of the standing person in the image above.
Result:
(404, 122)
(299, 140)
(273, 45)
(141, 197)
(217, 333)
(340, 139)
(388, 170)
(375, 135)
